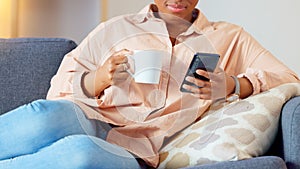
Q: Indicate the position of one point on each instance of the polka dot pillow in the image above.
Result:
(229, 132)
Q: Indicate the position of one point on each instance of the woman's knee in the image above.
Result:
(90, 152)
(48, 112)
(52, 107)
(58, 117)
(45, 107)
(42, 114)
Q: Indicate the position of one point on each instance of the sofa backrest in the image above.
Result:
(26, 68)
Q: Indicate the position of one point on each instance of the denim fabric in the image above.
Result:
(56, 135)
(291, 133)
(266, 162)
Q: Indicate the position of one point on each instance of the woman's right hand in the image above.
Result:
(112, 72)
(114, 69)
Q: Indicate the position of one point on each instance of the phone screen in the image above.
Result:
(204, 61)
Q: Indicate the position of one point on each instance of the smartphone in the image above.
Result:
(204, 61)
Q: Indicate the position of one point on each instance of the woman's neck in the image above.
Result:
(175, 30)
(175, 25)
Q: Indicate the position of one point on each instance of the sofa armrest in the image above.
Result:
(290, 123)
(266, 162)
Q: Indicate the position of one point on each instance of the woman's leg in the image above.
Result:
(28, 128)
(75, 152)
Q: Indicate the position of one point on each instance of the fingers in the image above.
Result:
(201, 89)
(119, 57)
(116, 66)
(197, 82)
(212, 76)
(203, 73)
(120, 74)
(119, 77)
(118, 62)
(213, 89)
(122, 67)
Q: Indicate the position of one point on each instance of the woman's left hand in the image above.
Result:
(219, 85)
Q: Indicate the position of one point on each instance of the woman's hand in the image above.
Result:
(114, 69)
(219, 85)
(112, 72)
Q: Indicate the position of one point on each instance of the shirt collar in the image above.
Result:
(200, 25)
(145, 14)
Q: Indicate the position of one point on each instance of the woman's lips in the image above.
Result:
(176, 7)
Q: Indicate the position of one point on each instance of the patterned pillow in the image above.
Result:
(235, 131)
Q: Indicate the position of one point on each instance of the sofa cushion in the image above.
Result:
(230, 132)
(267, 162)
(26, 68)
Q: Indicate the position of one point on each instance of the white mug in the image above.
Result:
(146, 65)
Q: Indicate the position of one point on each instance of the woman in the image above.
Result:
(97, 116)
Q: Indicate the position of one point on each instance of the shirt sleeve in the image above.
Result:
(262, 69)
(67, 82)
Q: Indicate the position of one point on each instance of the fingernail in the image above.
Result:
(198, 71)
(189, 78)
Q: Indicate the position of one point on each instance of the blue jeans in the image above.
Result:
(57, 135)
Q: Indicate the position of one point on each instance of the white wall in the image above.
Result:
(119, 7)
(72, 19)
(274, 23)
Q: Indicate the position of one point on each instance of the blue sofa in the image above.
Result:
(27, 65)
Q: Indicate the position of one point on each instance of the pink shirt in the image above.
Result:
(146, 114)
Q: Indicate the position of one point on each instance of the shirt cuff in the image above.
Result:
(255, 79)
(79, 93)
